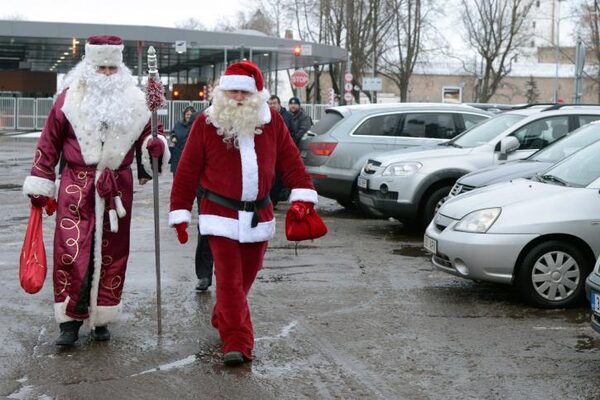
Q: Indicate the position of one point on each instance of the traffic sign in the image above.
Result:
(348, 97)
(348, 77)
(348, 87)
(299, 78)
(374, 84)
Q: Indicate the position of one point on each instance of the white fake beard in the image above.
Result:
(104, 104)
(234, 120)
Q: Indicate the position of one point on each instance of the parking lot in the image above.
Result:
(361, 313)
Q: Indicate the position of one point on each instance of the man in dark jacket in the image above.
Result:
(275, 103)
(301, 122)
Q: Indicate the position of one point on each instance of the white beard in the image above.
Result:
(235, 120)
(103, 104)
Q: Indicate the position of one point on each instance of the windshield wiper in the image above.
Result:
(552, 178)
(452, 144)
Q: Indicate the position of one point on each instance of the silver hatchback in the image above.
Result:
(336, 148)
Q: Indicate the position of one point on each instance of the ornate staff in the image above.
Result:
(155, 99)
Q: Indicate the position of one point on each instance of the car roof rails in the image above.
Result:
(559, 106)
(524, 106)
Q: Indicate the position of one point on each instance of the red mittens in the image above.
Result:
(182, 235)
(155, 147)
(40, 201)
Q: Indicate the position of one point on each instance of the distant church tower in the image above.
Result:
(543, 19)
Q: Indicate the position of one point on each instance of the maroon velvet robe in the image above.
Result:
(83, 235)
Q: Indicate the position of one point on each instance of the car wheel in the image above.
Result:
(347, 204)
(553, 275)
(431, 205)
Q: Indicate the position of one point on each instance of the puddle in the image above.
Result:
(411, 251)
(587, 343)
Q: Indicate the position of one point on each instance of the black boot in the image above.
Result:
(69, 333)
(101, 333)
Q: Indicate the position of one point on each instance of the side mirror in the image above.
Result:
(508, 145)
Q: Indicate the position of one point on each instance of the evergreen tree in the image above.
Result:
(532, 94)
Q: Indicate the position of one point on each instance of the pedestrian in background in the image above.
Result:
(279, 191)
(179, 135)
(275, 103)
(301, 122)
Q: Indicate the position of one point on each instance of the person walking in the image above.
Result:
(234, 149)
(96, 123)
(279, 191)
(301, 122)
(179, 135)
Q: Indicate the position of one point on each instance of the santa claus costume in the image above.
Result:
(233, 151)
(95, 124)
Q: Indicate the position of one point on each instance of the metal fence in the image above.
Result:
(28, 114)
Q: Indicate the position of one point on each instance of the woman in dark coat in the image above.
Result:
(179, 136)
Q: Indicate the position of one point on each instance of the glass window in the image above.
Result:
(586, 119)
(326, 122)
(429, 125)
(380, 125)
(569, 144)
(471, 120)
(487, 130)
(540, 133)
(580, 169)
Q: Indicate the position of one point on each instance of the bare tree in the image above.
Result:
(405, 44)
(495, 30)
(190, 23)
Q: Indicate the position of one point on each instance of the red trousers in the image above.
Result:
(236, 267)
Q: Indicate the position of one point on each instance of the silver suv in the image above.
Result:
(336, 148)
(409, 185)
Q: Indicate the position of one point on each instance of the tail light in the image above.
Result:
(322, 148)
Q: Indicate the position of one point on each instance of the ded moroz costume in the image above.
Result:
(96, 123)
(234, 150)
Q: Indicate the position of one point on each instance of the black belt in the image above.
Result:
(249, 206)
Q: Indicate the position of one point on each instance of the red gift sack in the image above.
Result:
(303, 223)
(33, 267)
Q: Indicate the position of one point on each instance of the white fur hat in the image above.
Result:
(104, 51)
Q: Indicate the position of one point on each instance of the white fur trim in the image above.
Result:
(104, 54)
(238, 82)
(237, 229)
(303, 195)
(179, 216)
(39, 186)
(265, 114)
(119, 207)
(147, 162)
(97, 253)
(249, 168)
(114, 221)
(60, 311)
(118, 140)
(106, 314)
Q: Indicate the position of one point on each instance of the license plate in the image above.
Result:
(595, 302)
(430, 244)
(362, 183)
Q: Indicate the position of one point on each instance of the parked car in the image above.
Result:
(533, 164)
(409, 185)
(336, 148)
(592, 288)
(541, 234)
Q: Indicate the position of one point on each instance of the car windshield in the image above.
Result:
(569, 144)
(579, 170)
(486, 130)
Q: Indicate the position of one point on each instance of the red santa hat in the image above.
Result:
(104, 51)
(244, 75)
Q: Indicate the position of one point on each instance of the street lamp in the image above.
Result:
(557, 50)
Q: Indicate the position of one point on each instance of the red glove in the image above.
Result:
(40, 201)
(299, 209)
(182, 235)
(155, 147)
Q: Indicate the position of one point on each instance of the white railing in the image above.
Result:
(28, 114)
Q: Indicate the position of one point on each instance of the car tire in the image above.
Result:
(544, 283)
(430, 206)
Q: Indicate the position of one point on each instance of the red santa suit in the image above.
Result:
(246, 174)
(91, 239)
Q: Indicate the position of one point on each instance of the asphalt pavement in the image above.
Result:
(358, 314)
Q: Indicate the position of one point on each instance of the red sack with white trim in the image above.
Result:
(33, 267)
(303, 223)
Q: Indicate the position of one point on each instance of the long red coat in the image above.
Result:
(84, 232)
(246, 173)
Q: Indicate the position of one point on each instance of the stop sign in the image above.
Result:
(299, 78)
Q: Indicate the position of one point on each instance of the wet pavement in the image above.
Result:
(359, 314)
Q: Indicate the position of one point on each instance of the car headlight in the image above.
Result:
(478, 221)
(402, 168)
